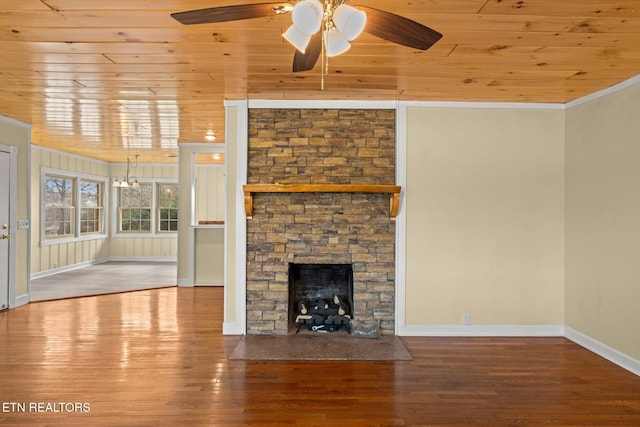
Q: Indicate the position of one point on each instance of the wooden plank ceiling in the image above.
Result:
(107, 79)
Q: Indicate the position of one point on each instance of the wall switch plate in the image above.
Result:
(23, 224)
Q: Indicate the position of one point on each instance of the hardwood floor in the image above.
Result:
(158, 357)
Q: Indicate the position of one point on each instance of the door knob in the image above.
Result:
(5, 227)
(6, 236)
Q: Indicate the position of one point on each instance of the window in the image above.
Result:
(167, 208)
(58, 206)
(134, 208)
(91, 214)
(71, 207)
(149, 209)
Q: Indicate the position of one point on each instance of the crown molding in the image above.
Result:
(11, 121)
(484, 105)
(322, 104)
(394, 104)
(604, 92)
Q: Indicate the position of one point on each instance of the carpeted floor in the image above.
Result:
(319, 347)
(104, 278)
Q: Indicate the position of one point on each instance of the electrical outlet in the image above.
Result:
(55, 265)
(466, 319)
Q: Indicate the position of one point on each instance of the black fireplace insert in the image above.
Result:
(320, 296)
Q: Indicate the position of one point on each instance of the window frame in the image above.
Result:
(154, 232)
(66, 210)
(169, 209)
(76, 235)
(99, 209)
(120, 209)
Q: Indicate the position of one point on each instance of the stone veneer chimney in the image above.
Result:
(320, 146)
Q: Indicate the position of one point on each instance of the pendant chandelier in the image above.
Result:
(128, 181)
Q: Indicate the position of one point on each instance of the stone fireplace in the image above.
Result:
(320, 146)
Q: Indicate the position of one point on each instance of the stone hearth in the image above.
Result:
(294, 146)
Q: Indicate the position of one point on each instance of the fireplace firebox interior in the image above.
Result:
(320, 296)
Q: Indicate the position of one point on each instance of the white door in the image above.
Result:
(5, 170)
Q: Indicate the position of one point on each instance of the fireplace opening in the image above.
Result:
(320, 297)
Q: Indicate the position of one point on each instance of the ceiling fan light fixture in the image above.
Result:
(296, 38)
(335, 43)
(322, 28)
(349, 20)
(282, 9)
(307, 16)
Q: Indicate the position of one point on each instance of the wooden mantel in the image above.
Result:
(393, 190)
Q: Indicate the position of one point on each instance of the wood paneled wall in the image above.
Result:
(65, 255)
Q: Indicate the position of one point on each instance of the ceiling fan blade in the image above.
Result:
(227, 13)
(398, 29)
(307, 60)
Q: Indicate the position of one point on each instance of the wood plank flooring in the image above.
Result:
(158, 357)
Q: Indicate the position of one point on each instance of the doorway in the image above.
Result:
(6, 226)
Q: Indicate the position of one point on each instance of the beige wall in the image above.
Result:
(209, 193)
(184, 221)
(209, 204)
(484, 202)
(233, 218)
(44, 258)
(209, 242)
(209, 256)
(145, 247)
(18, 135)
(603, 219)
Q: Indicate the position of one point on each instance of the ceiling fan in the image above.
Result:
(322, 27)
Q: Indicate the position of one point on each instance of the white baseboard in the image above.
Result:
(21, 300)
(143, 258)
(482, 331)
(70, 267)
(185, 283)
(611, 354)
(232, 328)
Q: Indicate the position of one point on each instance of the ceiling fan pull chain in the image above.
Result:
(323, 62)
